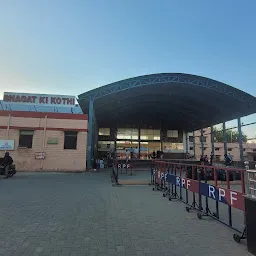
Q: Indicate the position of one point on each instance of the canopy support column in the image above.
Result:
(139, 144)
(212, 140)
(194, 145)
(225, 138)
(202, 142)
(90, 145)
(240, 139)
(187, 143)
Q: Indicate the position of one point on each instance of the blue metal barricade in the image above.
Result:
(203, 188)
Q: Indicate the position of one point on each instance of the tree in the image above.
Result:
(231, 135)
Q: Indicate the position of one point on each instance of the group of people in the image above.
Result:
(131, 154)
(205, 160)
(157, 155)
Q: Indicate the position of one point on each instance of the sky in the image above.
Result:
(72, 46)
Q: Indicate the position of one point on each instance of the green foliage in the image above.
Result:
(232, 136)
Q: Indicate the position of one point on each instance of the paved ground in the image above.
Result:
(143, 177)
(82, 214)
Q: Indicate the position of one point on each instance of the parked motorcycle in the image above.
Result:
(11, 170)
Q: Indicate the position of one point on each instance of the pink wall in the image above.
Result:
(57, 158)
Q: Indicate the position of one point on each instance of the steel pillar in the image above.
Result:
(240, 139)
(225, 138)
(90, 144)
(202, 142)
(194, 145)
(184, 139)
(161, 141)
(187, 143)
(115, 135)
(212, 140)
(139, 140)
(95, 138)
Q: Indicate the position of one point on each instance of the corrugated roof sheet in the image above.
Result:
(176, 100)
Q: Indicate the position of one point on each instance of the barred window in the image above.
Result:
(26, 139)
(70, 140)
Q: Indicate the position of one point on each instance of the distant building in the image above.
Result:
(233, 148)
(154, 112)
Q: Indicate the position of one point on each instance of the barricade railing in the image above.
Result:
(206, 189)
(159, 182)
(125, 167)
(121, 167)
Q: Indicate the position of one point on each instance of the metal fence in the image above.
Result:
(212, 192)
(236, 138)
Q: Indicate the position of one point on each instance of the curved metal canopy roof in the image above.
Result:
(181, 101)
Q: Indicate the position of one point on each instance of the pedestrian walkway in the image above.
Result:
(82, 214)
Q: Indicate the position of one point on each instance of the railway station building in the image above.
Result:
(159, 112)
(163, 112)
(43, 132)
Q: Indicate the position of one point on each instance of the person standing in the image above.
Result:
(154, 154)
(127, 156)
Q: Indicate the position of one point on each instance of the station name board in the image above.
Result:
(40, 99)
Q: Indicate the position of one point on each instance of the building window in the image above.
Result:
(203, 138)
(172, 134)
(217, 157)
(106, 145)
(26, 139)
(217, 149)
(191, 148)
(149, 134)
(169, 147)
(229, 149)
(70, 140)
(254, 150)
(127, 134)
(104, 131)
(191, 139)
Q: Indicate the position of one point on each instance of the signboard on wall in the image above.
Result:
(39, 99)
(40, 155)
(6, 144)
(53, 140)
